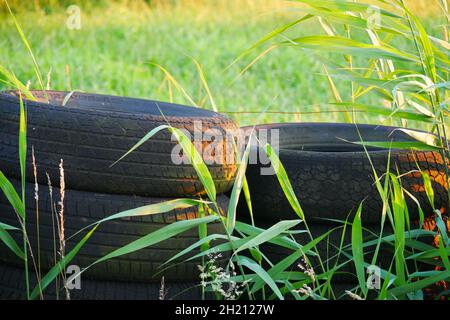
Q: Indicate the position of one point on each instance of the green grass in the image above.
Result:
(110, 54)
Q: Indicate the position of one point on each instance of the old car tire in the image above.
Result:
(331, 176)
(90, 132)
(83, 208)
(12, 287)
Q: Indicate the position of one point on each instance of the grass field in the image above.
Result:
(110, 54)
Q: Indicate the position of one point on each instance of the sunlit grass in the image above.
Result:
(109, 55)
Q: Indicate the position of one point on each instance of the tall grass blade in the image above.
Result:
(195, 245)
(151, 209)
(22, 144)
(282, 241)
(281, 266)
(442, 228)
(27, 45)
(202, 228)
(429, 254)
(197, 162)
(444, 255)
(428, 187)
(269, 36)
(22, 161)
(156, 208)
(336, 94)
(173, 81)
(57, 269)
(6, 238)
(283, 179)
(344, 5)
(419, 284)
(268, 234)
(157, 236)
(350, 46)
(424, 137)
(248, 199)
(402, 114)
(8, 227)
(233, 242)
(205, 85)
(12, 195)
(194, 156)
(261, 273)
(399, 211)
(237, 187)
(428, 51)
(357, 249)
(420, 146)
(13, 81)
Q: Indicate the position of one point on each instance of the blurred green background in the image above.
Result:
(110, 53)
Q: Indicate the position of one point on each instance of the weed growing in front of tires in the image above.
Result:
(219, 280)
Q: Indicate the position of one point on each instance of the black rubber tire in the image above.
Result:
(331, 177)
(331, 256)
(12, 287)
(92, 131)
(84, 208)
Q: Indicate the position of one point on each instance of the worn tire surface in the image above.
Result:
(90, 132)
(85, 208)
(12, 287)
(331, 177)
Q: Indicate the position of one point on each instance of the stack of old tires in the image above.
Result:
(331, 176)
(89, 132)
(75, 138)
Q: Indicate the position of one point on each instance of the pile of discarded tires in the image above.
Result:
(90, 132)
(331, 177)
